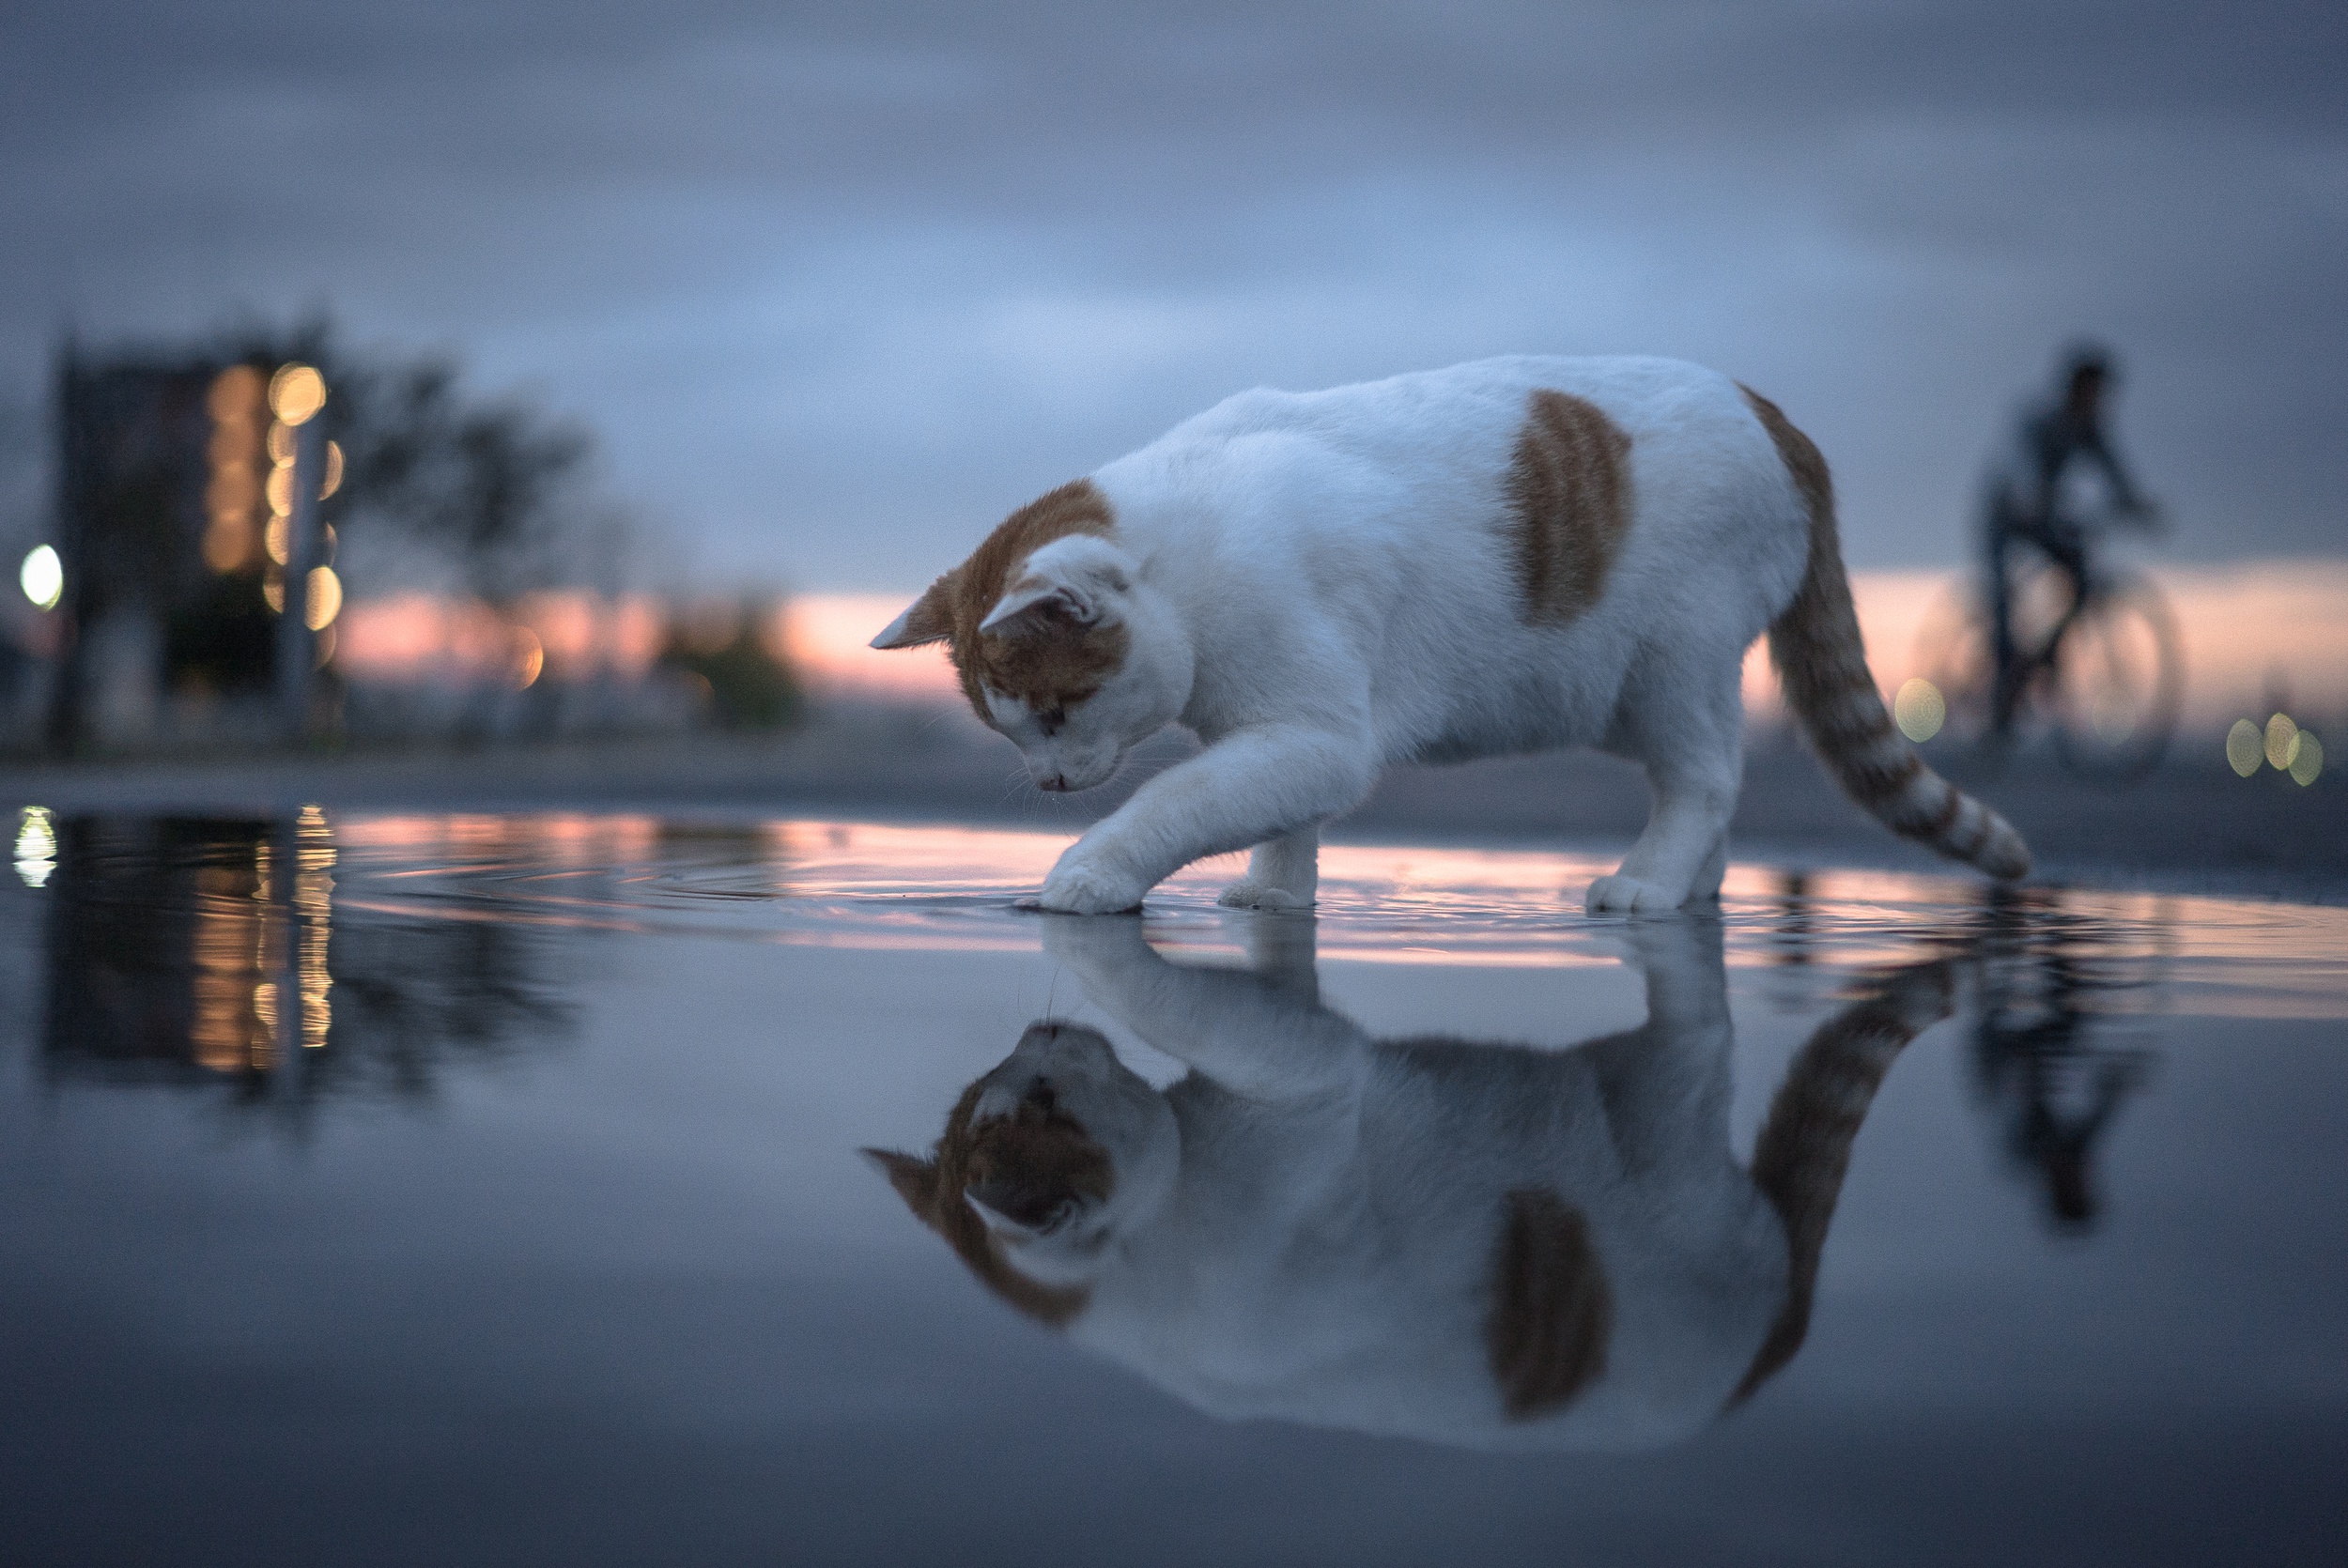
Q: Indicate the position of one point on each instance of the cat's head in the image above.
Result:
(1044, 1164)
(1060, 644)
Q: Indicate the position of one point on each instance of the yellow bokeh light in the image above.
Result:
(235, 396)
(326, 648)
(2281, 735)
(227, 543)
(281, 491)
(325, 600)
(35, 846)
(231, 445)
(296, 393)
(277, 538)
(42, 577)
(2245, 747)
(530, 656)
(333, 480)
(273, 592)
(232, 489)
(281, 445)
(2307, 759)
(1920, 709)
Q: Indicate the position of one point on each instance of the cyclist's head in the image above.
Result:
(2087, 372)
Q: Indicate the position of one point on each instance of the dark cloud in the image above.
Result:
(839, 286)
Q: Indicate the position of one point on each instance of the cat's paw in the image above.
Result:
(1086, 890)
(1621, 895)
(1256, 895)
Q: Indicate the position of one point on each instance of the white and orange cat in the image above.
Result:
(1508, 556)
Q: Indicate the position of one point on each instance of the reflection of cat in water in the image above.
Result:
(1487, 1245)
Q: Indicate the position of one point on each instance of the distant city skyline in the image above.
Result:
(837, 291)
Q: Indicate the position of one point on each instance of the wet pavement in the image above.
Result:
(604, 1187)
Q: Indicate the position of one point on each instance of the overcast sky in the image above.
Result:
(837, 286)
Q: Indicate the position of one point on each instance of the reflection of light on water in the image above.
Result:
(879, 886)
(231, 951)
(314, 859)
(35, 846)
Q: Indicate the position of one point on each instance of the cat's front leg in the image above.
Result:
(1283, 873)
(1250, 787)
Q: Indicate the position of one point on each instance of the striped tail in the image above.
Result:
(1823, 665)
(1804, 1149)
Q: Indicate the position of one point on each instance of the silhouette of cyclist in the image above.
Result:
(2030, 498)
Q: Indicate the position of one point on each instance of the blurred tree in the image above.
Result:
(725, 650)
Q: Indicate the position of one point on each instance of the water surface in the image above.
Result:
(489, 1189)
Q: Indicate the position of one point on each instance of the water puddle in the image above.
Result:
(715, 1188)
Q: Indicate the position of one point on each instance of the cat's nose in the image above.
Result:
(1053, 782)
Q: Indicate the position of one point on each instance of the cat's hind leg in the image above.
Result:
(1694, 758)
(1282, 873)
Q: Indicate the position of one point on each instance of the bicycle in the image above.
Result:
(2100, 671)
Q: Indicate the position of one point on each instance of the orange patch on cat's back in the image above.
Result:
(1551, 1309)
(1568, 492)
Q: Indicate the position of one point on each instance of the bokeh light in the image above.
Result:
(333, 480)
(235, 396)
(1920, 709)
(277, 537)
(273, 592)
(530, 656)
(226, 542)
(325, 600)
(35, 846)
(296, 393)
(281, 445)
(2245, 747)
(42, 577)
(2281, 735)
(2307, 759)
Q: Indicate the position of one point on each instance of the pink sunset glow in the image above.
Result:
(2254, 634)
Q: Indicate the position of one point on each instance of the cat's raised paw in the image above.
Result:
(1622, 894)
(1254, 894)
(1082, 890)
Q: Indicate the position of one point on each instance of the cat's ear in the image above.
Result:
(928, 619)
(1071, 581)
(915, 1180)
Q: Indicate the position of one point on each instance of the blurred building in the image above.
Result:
(174, 492)
(175, 517)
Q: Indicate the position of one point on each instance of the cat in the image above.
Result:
(1508, 556)
(1489, 1246)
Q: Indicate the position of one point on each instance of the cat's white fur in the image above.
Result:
(1322, 584)
(1306, 1226)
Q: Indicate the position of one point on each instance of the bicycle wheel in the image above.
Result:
(2118, 679)
(1955, 652)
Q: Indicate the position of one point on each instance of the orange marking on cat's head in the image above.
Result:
(1048, 662)
(1027, 1165)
